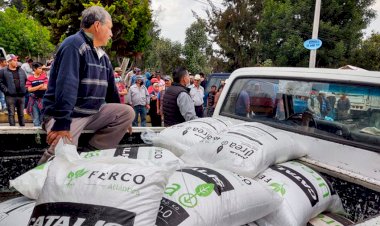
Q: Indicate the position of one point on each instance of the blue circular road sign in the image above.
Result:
(312, 44)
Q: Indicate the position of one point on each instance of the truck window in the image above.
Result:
(346, 113)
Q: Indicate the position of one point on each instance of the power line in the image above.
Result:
(212, 1)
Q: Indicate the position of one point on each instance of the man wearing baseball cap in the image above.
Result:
(12, 84)
(138, 98)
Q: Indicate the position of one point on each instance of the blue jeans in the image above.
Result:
(37, 115)
(139, 109)
(2, 101)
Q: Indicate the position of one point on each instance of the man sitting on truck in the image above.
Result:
(81, 92)
(177, 103)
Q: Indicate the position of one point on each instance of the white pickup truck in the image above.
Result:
(346, 151)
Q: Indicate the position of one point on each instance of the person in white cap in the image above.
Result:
(138, 98)
(197, 93)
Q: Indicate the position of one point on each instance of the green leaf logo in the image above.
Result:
(92, 154)
(204, 190)
(40, 167)
(80, 173)
(279, 188)
(74, 175)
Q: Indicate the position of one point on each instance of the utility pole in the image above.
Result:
(317, 12)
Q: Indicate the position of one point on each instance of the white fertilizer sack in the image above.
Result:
(306, 194)
(209, 197)
(16, 211)
(31, 182)
(156, 154)
(329, 219)
(100, 191)
(181, 137)
(246, 149)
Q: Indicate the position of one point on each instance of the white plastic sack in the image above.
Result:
(100, 191)
(16, 211)
(328, 219)
(306, 194)
(209, 197)
(30, 183)
(247, 149)
(156, 154)
(181, 137)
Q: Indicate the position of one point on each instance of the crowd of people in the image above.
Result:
(81, 91)
(146, 91)
(23, 85)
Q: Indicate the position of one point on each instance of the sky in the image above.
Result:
(175, 16)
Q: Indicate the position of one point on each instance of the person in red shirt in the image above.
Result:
(37, 86)
(120, 87)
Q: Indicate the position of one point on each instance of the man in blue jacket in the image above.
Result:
(81, 92)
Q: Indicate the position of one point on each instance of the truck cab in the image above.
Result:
(308, 105)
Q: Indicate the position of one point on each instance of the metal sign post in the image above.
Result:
(313, 53)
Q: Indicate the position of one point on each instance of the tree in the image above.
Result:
(250, 32)
(22, 35)
(10, 3)
(282, 30)
(131, 21)
(367, 54)
(235, 31)
(197, 49)
(163, 54)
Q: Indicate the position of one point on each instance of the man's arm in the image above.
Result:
(129, 96)
(66, 87)
(186, 106)
(3, 87)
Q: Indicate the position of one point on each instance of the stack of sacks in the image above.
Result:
(306, 194)
(179, 138)
(246, 149)
(209, 196)
(101, 191)
(30, 183)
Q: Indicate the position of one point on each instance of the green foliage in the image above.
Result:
(367, 54)
(197, 48)
(277, 29)
(131, 21)
(22, 35)
(163, 54)
(235, 31)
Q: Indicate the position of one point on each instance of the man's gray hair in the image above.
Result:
(92, 14)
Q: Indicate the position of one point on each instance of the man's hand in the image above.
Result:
(54, 136)
(147, 106)
(130, 130)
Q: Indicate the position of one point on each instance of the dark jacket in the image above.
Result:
(80, 82)
(7, 85)
(172, 114)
